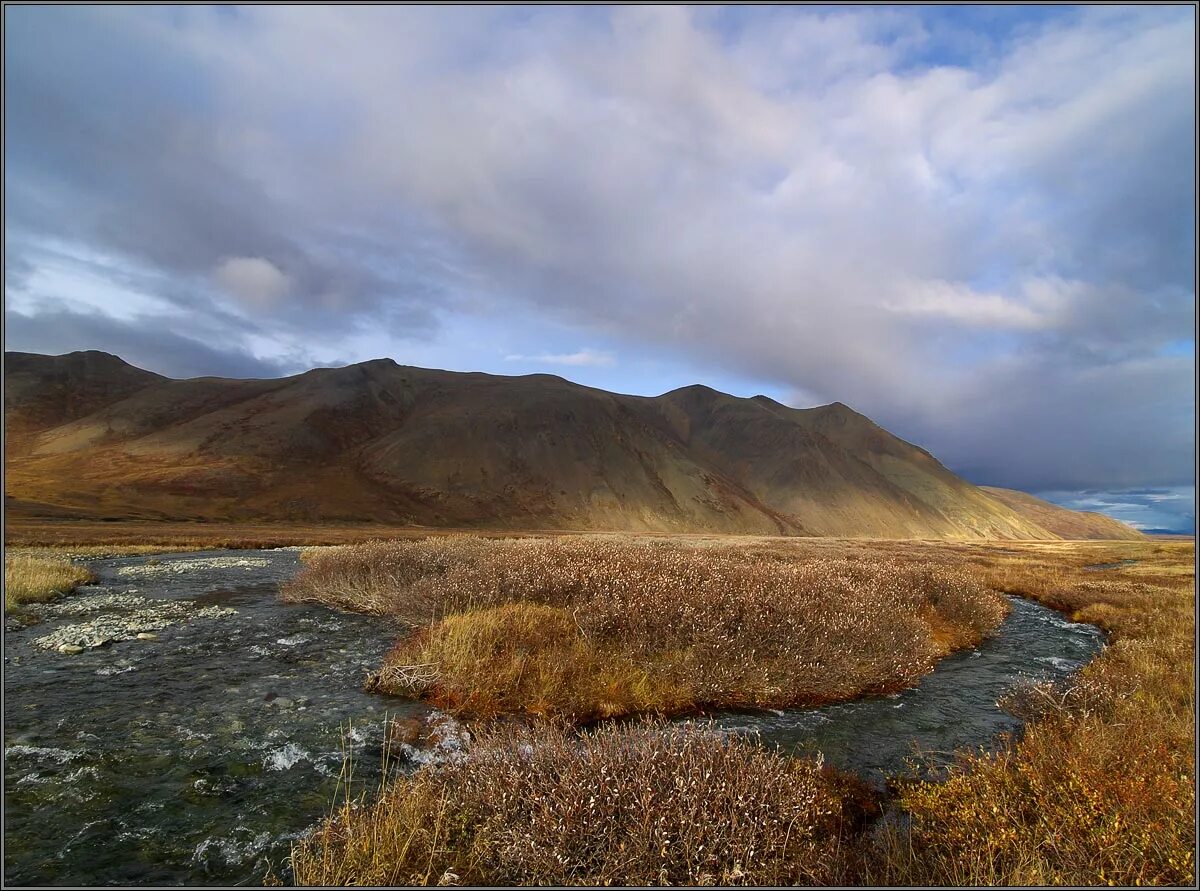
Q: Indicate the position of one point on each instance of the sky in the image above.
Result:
(975, 225)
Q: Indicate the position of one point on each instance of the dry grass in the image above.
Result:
(648, 804)
(1101, 787)
(26, 531)
(588, 628)
(30, 579)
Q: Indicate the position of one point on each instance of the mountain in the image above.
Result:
(91, 436)
(1064, 523)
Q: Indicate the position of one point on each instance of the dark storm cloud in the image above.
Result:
(985, 241)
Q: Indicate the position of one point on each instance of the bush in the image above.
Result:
(591, 627)
(644, 804)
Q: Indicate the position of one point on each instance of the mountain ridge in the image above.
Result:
(380, 441)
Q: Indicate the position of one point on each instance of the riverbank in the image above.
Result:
(1100, 789)
(195, 753)
(30, 579)
(120, 761)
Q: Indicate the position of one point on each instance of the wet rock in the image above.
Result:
(19, 622)
(69, 649)
(410, 731)
(147, 635)
(112, 628)
(193, 565)
(437, 739)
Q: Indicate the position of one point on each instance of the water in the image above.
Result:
(954, 707)
(181, 760)
(198, 757)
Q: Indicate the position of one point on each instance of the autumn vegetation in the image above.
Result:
(35, 579)
(587, 628)
(644, 804)
(1099, 789)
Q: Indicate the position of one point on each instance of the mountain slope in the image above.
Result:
(382, 442)
(1064, 523)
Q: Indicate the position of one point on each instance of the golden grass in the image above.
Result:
(169, 535)
(647, 804)
(588, 628)
(1100, 788)
(29, 579)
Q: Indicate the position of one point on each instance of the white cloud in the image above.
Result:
(585, 356)
(254, 280)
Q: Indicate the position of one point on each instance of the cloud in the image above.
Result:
(152, 344)
(583, 357)
(1171, 509)
(978, 230)
(252, 279)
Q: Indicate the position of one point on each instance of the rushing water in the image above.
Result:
(954, 707)
(194, 758)
(197, 757)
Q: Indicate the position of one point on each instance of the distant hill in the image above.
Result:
(92, 436)
(1064, 523)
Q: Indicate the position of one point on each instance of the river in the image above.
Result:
(198, 754)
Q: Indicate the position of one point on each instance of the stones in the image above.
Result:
(142, 623)
(192, 565)
(69, 649)
(407, 730)
(20, 622)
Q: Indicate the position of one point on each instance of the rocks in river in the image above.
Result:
(192, 565)
(410, 731)
(69, 649)
(19, 622)
(141, 624)
(436, 739)
(87, 604)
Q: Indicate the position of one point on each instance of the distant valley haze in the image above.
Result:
(812, 270)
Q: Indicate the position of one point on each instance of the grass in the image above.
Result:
(1099, 789)
(29, 579)
(642, 804)
(171, 535)
(587, 628)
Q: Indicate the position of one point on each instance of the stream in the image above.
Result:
(198, 751)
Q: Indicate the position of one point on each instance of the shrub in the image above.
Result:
(591, 627)
(644, 804)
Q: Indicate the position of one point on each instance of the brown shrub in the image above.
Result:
(1101, 787)
(628, 625)
(647, 804)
